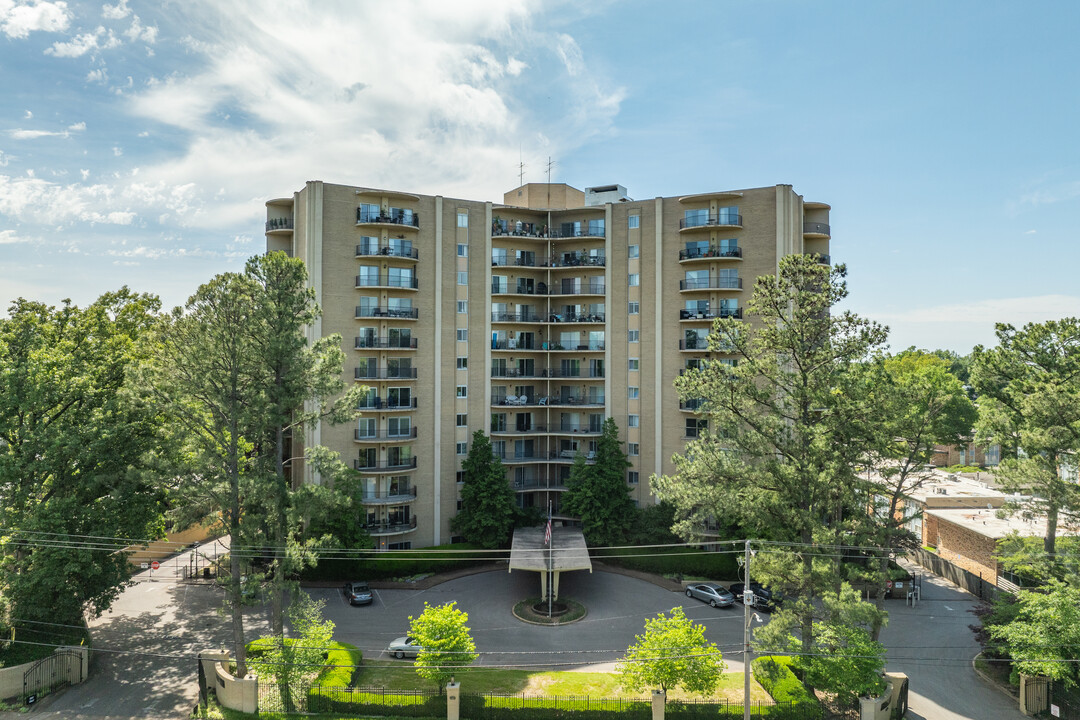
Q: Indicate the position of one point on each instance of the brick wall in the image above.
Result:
(965, 548)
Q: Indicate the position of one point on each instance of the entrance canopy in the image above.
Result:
(567, 552)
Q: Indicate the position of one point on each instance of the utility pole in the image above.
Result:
(748, 598)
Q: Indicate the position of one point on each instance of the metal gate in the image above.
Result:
(1036, 694)
(63, 667)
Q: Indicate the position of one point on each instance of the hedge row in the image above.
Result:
(381, 566)
(342, 659)
(343, 701)
(773, 673)
(690, 562)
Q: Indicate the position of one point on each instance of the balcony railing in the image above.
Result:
(391, 528)
(389, 465)
(363, 436)
(693, 404)
(712, 252)
(387, 250)
(517, 373)
(392, 313)
(409, 283)
(380, 404)
(711, 220)
(590, 346)
(539, 484)
(513, 344)
(398, 218)
(543, 400)
(365, 342)
(692, 343)
(820, 257)
(815, 228)
(590, 289)
(576, 259)
(569, 427)
(535, 230)
(279, 224)
(363, 373)
(497, 428)
(595, 317)
(515, 317)
(389, 497)
(711, 283)
(580, 373)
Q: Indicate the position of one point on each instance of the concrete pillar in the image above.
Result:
(543, 585)
(249, 694)
(555, 589)
(659, 702)
(453, 700)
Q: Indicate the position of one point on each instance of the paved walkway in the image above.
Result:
(933, 644)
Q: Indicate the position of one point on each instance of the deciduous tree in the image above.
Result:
(1044, 637)
(672, 652)
(445, 642)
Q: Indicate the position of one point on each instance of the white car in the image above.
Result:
(404, 647)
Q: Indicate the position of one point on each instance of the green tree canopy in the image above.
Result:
(1029, 404)
(288, 662)
(79, 454)
(1044, 637)
(445, 642)
(487, 500)
(672, 652)
(598, 493)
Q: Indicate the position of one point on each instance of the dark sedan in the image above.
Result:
(358, 593)
(715, 595)
(764, 598)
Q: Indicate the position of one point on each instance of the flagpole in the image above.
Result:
(551, 565)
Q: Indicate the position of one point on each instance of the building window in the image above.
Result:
(463, 277)
(462, 391)
(633, 335)
(635, 279)
(633, 307)
(633, 449)
(462, 448)
(635, 251)
(634, 221)
(462, 362)
(405, 545)
(460, 477)
(632, 364)
(632, 477)
(695, 426)
(633, 392)
(463, 334)
(633, 421)
(462, 221)
(463, 306)
(462, 420)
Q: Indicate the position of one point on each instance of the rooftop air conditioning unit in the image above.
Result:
(952, 477)
(941, 491)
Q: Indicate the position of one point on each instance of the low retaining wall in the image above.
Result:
(235, 693)
(73, 664)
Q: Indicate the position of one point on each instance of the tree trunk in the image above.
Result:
(277, 625)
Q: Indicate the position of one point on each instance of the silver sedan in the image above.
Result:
(404, 647)
(715, 595)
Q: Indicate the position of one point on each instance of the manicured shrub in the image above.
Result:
(774, 674)
(689, 562)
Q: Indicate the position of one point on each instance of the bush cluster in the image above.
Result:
(774, 674)
(384, 567)
(689, 562)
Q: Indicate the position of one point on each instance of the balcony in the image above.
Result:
(576, 428)
(497, 372)
(595, 317)
(593, 346)
(590, 289)
(576, 259)
(816, 229)
(279, 224)
(497, 429)
(692, 405)
(409, 253)
(711, 220)
(577, 374)
(520, 289)
(822, 258)
(391, 528)
(400, 219)
(515, 317)
(513, 344)
(380, 404)
(711, 283)
(395, 343)
(693, 343)
(396, 496)
(713, 253)
(363, 436)
(710, 314)
(575, 401)
(363, 373)
(368, 466)
(391, 313)
(519, 228)
(390, 281)
(526, 484)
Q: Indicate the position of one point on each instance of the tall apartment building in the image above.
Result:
(532, 320)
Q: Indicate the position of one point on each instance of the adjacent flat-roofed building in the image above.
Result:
(532, 320)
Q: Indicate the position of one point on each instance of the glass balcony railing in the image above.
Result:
(381, 404)
(409, 219)
(388, 251)
(394, 281)
(515, 317)
(711, 220)
(711, 283)
(279, 224)
(815, 228)
(393, 313)
(391, 527)
(384, 436)
(712, 252)
(365, 373)
(391, 342)
(364, 465)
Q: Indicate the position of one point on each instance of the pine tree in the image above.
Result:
(487, 500)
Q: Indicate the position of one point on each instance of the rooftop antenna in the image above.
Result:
(521, 169)
(550, 164)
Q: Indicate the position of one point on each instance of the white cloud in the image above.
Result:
(19, 18)
(1029, 232)
(4, 159)
(137, 32)
(8, 237)
(85, 174)
(570, 54)
(77, 127)
(100, 76)
(117, 151)
(1051, 195)
(28, 115)
(100, 39)
(119, 11)
(20, 134)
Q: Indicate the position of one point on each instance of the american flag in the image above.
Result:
(547, 532)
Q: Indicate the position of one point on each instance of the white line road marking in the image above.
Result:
(948, 608)
(376, 594)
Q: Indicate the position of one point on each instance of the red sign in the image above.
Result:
(888, 583)
(155, 565)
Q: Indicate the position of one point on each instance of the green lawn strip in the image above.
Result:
(401, 676)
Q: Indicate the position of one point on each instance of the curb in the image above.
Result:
(552, 625)
(989, 680)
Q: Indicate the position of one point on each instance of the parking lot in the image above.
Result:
(617, 609)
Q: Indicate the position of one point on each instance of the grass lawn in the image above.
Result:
(400, 675)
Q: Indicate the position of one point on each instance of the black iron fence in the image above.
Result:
(974, 584)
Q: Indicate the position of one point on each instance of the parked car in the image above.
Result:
(358, 593)
(764, 598)
(715, 595)
(404, 647)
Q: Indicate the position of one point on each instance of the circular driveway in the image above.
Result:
(618, 607)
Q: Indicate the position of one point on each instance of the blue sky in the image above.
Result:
(138, 141)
